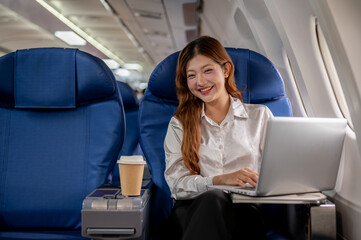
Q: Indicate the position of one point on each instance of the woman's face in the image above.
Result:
(206, 79)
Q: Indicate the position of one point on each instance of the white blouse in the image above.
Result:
(234, 144)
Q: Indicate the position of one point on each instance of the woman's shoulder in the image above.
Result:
(174, 123)
(257, 108)
(174, 132)
(174, 120)
(248, 106)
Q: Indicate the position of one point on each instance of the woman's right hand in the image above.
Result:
(240, 178)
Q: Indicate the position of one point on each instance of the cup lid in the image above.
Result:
(136, 159)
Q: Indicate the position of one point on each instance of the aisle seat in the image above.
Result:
(61, 129)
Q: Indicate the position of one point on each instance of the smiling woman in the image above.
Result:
(201, 150)
(298, 58)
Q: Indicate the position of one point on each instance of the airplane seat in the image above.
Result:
(131, 141)
(131, 108)
(254, 73)
(61, 129)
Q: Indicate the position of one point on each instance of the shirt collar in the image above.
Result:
(236, 109)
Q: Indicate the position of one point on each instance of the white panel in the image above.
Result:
(299, 39)
(218, 18)
(270, 45)
(147, 21)
(94, 21)
(155, 6)
(174, 8)
(340, 24)
(79, 7)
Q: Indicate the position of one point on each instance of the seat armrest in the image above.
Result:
(108, 214)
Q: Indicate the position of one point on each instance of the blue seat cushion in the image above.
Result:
(38, 84)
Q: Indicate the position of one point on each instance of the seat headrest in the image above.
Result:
(129, 97)
(254, 73)
(53, 78)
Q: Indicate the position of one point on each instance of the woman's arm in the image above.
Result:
(182, 184)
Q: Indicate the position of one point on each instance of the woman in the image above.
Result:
(213, 139)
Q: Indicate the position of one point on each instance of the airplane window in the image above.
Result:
(332, 74)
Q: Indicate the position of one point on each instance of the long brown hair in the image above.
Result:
(190, 107)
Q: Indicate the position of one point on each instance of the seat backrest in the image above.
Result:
(61, 129)
(254, 73)
(131, 109)
(131, 141)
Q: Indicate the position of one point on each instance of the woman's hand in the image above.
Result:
(240, 177)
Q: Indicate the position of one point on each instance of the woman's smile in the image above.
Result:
(205, 91)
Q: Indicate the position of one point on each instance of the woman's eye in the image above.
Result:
(190, 76)
(208, 70)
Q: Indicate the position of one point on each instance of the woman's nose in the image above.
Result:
(201, 80)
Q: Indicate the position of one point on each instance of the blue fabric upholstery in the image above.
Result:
(131, 141)
(131, 108)
(254, 73)
(94, 80)
(59, 93)
(61, 129)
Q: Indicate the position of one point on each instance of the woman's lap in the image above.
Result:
(212, 215)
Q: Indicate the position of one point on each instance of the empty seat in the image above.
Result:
(131, 142)
(61, 129)
(254, 73)
(131, 108)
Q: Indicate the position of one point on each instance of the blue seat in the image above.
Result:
(131, 108)
(253, 72)
(61, 129)
(131, 142)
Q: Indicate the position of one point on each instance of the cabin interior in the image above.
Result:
(313, 44)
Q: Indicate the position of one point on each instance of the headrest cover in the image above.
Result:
(53, 78)
(240, 59)
(94, 79)
(162, 80)
(267, 83)
(254, 74)
(39, 82)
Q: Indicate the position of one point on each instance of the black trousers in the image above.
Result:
(212, 215)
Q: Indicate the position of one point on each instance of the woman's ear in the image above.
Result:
(226, 69)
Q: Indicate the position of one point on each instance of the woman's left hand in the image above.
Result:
(240, 177)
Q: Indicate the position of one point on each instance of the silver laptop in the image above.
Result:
(299, 155)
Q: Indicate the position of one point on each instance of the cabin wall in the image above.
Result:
(285, 31)
(340, 22)
(248, 24)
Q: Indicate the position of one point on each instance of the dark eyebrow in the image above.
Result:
(208, 64)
